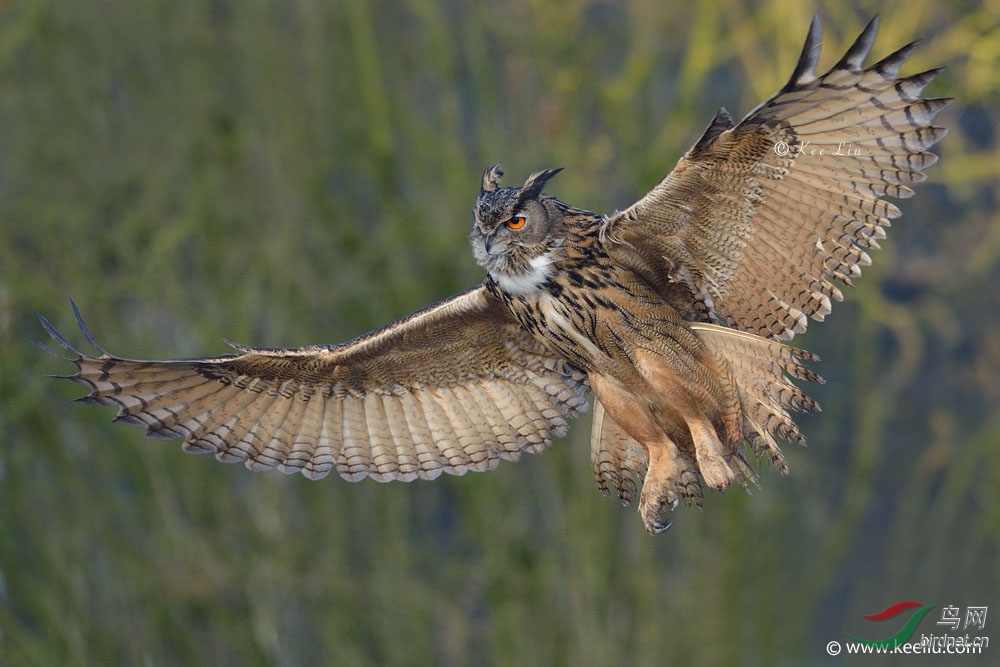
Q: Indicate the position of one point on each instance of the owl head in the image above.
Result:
(515, 225)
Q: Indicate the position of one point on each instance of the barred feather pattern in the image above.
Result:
(621, 462)
(762, 369)
(673, 311)
(453, 388)
(761, 219)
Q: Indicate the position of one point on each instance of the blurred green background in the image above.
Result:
(291, 173)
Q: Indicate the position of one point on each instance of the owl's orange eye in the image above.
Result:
(517, 222)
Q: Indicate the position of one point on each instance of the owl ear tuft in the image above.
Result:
(536, 182)
(491, 178)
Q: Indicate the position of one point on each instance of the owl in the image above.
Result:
(673, 313)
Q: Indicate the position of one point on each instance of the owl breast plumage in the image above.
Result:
(672, 313)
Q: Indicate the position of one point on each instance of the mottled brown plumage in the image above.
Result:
(670, 311)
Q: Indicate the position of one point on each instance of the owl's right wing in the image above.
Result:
(454, 387)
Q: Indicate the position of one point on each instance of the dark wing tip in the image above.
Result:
(56, 336)
(65, 344)
(941, 103)
(856, 55)
(38, 343)
(723, 121)
(806, 66)
(86, 331)
(889, 66)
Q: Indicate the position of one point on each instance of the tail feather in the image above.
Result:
(761, 368)
(620, 463)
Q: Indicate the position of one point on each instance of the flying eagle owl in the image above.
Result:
(671, 312)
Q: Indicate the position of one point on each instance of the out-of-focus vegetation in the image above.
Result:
(301, 172)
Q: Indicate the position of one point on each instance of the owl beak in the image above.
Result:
(491, 241)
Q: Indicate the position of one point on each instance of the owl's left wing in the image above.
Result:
(758, 219)
(454, 387)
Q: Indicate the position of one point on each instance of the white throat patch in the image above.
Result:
(522, 284)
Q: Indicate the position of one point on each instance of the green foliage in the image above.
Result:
(300, 172)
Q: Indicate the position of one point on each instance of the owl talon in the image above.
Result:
(653, 504)
(657, 527)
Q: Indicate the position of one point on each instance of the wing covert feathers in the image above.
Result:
(451, 388)
(758, 222)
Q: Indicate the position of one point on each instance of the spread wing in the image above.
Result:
(757, 219)
(451, 388)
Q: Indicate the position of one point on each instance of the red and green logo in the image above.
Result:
(904, 633)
